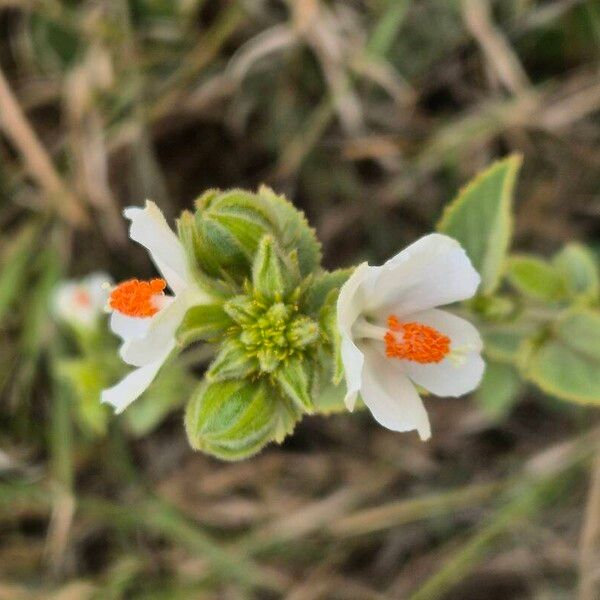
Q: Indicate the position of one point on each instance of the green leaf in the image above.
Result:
(480, 218)
(320, 287)
(579, 270)
(203, 322)
(535, 278)
(567, 363)
(293, 230)
(270, 276)
(235, 419)
(499, 390)
(332, 337)
(87, 379)
(232, 362)
(294, 380)
(328, 397)
(503, 343)
(493, 308)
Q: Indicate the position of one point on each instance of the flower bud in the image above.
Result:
(235, 419)
(229, 226)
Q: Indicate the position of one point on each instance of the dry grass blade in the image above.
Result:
(15, 125)
(402, 512)
(499, 54)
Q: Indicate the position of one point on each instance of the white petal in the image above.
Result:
(139, 351)
(462, 370)
(133, 385)
(390, 396)
(349, 307)
(433, 271)
(127, 327)
(150, 229)
(353, 360)
(68, 308)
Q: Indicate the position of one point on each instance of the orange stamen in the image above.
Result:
(415, 341)
(135, 298)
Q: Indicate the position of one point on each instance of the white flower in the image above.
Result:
(393, 337)
(81, 302)
(142, 315)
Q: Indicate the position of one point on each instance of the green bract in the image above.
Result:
(272, 323)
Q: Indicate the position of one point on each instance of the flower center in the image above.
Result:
(271, 333)
(415, 341)
(135, 297)
(82, 298)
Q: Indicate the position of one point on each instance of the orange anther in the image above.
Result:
(415, 341)
(136, 298)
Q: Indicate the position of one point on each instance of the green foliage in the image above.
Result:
(579, 270)
(203, 322)
(201, 264)
(535, 334)
(87, 380)
(503, 341)
(232, 362)
(535, 278)
(572, 275)
(321, 286)
(279, 330)
(480, 218)
(499, 389)
(293, 378)
(566, 362)
(328, 392)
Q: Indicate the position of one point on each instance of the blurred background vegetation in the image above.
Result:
(369, 115)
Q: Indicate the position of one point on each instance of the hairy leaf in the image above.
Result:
(536, 278)
(567, 363)
(480, 218)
